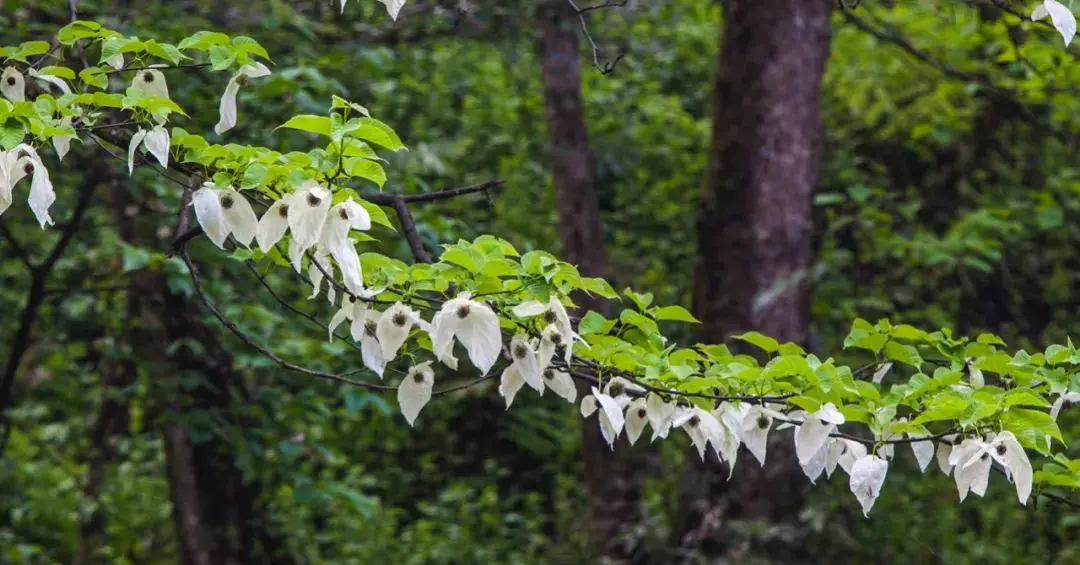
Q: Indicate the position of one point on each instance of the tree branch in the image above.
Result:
(19, 250)
(408, 226)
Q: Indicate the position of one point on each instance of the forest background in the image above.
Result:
(944, 198)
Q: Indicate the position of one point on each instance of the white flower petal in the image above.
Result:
(392, 7)
(810, 437)
(371, 354)
(853, 451)
(867, 477)
(394, 327)
(227, 106)
(320, 259)
(479, 333)
(510, 383)
(349, 263)
(755, 432)
(943, 453)
(636, 418)
(54, 80)
(1062, 18)
(529, 308)
(41, 191)
(210, 215)
(526, 362)
(923, 450)
(116, 61)
(612, 411)
(660, 414)
(151, 82)
(415, 390)
(239, 216)
(880, 373)
(307, 213)
(13, 85)
(132, 146)
(272, 226)
(561, 382)
(830, 415)
(814, 466)
(1019, 466)
(296, 255)
(589, 405)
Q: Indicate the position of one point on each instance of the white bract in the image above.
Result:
(637, 416)
(1060, 16)
(561, 383)
(523, 369)
(13, 85)
(320, 268)
(474, 324)
(611, 414)
(340, 220)
(811, 435)
(660, 413)
(306, 210)
(394, 327)
(415, 390)
(272, 225)
(15, 165)
(53, 80)
(755, 426)
(156, 141)
(364, 328)
(702, 427)
(221, 211)
(554, 314)
(866, 477)
(974, 457)
(227, 107)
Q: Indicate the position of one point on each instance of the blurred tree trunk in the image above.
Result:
(613, 479)
(754, 236)
(212, 507)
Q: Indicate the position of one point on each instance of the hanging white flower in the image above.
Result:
(53, 80)
(1067, 398)
(554, 313)
(867, 477)
(701, 426)
(756, 425)
(156, 141)
(320, 268)
(394, 327)
(611, 414)
(561, 383)
(637, 416)
(660, 413)
(623, 390)
(151, 82)
(414, 392)
(13, 85)
(1060, 16)
(811, 435)
(843, 452)
(474, 324)
(227, 107)
(550, 339)
(943, 452)
(730, 416)
(880, 373)
(272, 225)
(352, 309)
(340, 220)
(971, 461)
(392, 7)
(307, 212)
(364, 326)
(15, 165)
(221, 211)
(923, 450)
(523, 369)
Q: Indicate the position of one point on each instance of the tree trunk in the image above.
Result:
(754, 236)
(613, 478)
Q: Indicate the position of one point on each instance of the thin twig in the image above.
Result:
(408, 227)
(605, 68)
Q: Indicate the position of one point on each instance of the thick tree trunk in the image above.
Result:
(212, 507)
(754, 235)
(613, 479)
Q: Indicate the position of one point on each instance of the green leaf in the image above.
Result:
(378, 133)
(308, 122)
(366, 169)
(12, 133)
(905, 354)
(592, 322)
(378, 216)
(632, 318)
(254, 176)
(460, 257)
(764, 342)
(1021, 397)
(93, 76)
(245, 44)
(598, 286)
(221, 57)
(1030, 426)
(677, 313)
(203, 40)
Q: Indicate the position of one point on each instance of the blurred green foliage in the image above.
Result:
(947, 198)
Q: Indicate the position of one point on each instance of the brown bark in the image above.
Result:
(613, 478)
(754, 235)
